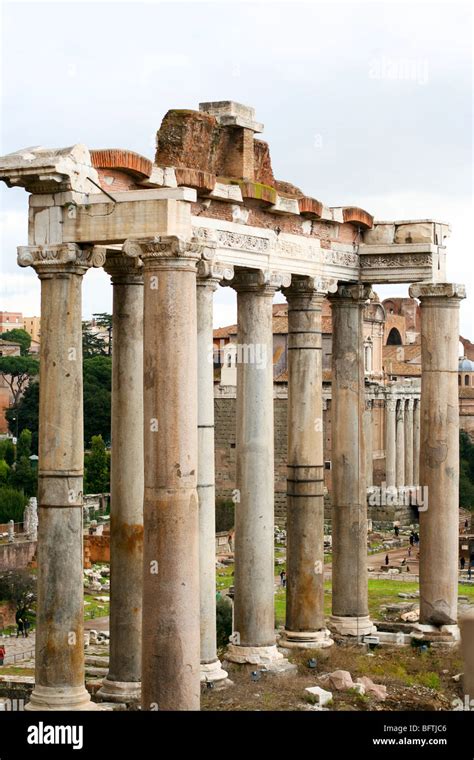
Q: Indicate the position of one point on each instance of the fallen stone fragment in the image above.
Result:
(322, 696)
(379, 690)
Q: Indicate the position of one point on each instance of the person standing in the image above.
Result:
(2, 653)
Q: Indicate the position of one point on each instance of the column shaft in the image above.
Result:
(401, 443)
(390, 442)
(126, 482)
(416, 442)
(369, 442)
(409, 443)
(170, 642)
(305, 624)
(211, 669)
(59, 666)
(439, 462)
(349, 497)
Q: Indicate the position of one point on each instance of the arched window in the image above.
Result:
(229, 359)
(459, 379)
(466, 379)
(394, 338)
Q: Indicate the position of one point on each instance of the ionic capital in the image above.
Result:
(442, 290)
(63, 257)
(310, 287)
(352, 293)
(123, 269)
(391, 404)
(210, 271)
(166, 251)
(260, 281)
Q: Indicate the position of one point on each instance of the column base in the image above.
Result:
(351, 626)
(60, 698)
(269, 658)
(306, 639)
(444, 635)
(119, 691)
(213, 672)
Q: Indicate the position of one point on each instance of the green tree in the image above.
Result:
(12, 505)
(4, 472)
(103, 319)
(19, 336)
(26, 414)
(97, 398)
(17, 372)
(18, 586)
(97, 467)
(24, 477)
(92, 345)
(466, 471)
(97, 373)
(7, 451)
(223, 621)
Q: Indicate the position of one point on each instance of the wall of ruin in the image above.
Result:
(17, 556)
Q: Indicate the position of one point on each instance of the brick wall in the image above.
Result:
(17, 556)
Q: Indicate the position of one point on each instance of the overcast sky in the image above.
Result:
(363, 103)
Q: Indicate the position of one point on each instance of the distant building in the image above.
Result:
(10, 320)
(32, 325)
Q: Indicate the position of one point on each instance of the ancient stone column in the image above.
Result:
(350, 613)
(401, 443)
(305, 624)
(369, 444)
(439, 461)
(59, 665)
(409, 442)
(466, 624)
(416, 442)
(170, 639)
(254, 617)
(390, 442)
(126, 481)
(209, 276)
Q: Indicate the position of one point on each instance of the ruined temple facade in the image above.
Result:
(209, 212)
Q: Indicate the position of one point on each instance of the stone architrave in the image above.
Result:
(59, 662)
(253, 638)
(439, 446)
(210, 274)
(170, 639)
(122, 683)
(350, 612)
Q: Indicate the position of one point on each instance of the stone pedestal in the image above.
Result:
(400, 465)
(305, 626)
(390, 442)
(209, 276)
(59, 665)
(409, 481)
(254, 616)
(170, 640)
(126, 481)
(349, 511)
(439, 461)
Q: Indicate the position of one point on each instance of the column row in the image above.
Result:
(402, 441)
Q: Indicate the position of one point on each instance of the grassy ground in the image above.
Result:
(95, 608)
